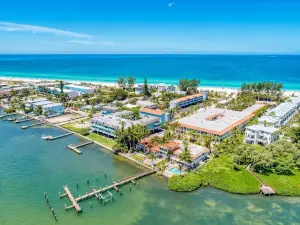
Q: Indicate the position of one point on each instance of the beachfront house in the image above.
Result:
(80, 89)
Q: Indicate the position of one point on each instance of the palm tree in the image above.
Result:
(152, 157)
(180, 167)
(169, 154)
(61, 86)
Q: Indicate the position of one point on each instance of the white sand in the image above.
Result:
(218, 89)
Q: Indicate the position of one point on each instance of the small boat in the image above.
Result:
(45, 137)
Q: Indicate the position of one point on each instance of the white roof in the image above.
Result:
(280, 111)
(295, 100)
(262, 128)
(52, 105)
(79, 87)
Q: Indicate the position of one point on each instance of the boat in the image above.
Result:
(46, 137)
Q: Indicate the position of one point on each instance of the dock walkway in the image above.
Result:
(75, 147)
(266, 190)
(32, 125)
(96, 193)
(23, 120)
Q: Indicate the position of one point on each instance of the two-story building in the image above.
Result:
(163, 116)
(188, 100)
(260, 134)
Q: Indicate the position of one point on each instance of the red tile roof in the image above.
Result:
(152, 111)
(189, 97)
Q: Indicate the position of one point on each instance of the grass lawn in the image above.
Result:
(101, 139)
(283, 185)
(95, 137)
(218, 173)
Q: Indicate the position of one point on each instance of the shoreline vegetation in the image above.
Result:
(277, 165)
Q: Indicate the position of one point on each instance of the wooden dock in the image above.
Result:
(267, 190)
(98, 192)
(23, 120)
(75, 147)
(50, 138)
(32, 125)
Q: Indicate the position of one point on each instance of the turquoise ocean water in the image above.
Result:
(30, 166)
(212, 70)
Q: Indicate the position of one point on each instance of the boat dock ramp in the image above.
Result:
(32, 125)
(75, 147)
(99, 194)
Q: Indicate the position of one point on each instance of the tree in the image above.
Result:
(61, 86)
(152, 157)
(186, 154)
(39, 110)
(119, 94)
(13, 93)
(146, 89)
(207, 140)
(180, 167)
(121, 82)
(190, 86)
(25, 92)
(130, 82)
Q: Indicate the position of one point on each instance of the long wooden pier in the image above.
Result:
(32, 125)
(75, 147)
(96, 193)
(50, 138)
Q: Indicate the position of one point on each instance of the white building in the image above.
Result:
(70, 93)
(188, 100)
(280, 115)
(259, 134)
(80, 89)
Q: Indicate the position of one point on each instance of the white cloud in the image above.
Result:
(14, 27)
(171, 4)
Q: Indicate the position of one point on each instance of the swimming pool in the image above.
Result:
(175, 170)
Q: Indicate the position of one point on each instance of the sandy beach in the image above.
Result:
(109, 84)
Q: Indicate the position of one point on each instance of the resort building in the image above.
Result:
(259, 134)
(110, 109)
(188, 100)
(217, 122)
(80, 89)
(160, 150)
(163, 116)
(109, 124)
(70, 93)
(53, 109)
(198, 153)
(280, 115)
(146, 104)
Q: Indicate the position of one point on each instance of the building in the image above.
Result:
(139, 90)
(295, 101)
(80, 89)
(188, 100)
(217, 122)
(198, 153)
(110, 109)
(159, 150)
(259, 134)
(109, 124)
(52, 109)
(70, 93)
(163, 116)
(280, 115)
(146, 104)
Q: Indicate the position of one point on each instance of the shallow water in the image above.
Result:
(30, 166)
(212, 70)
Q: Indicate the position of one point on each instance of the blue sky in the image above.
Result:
(150, 26)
